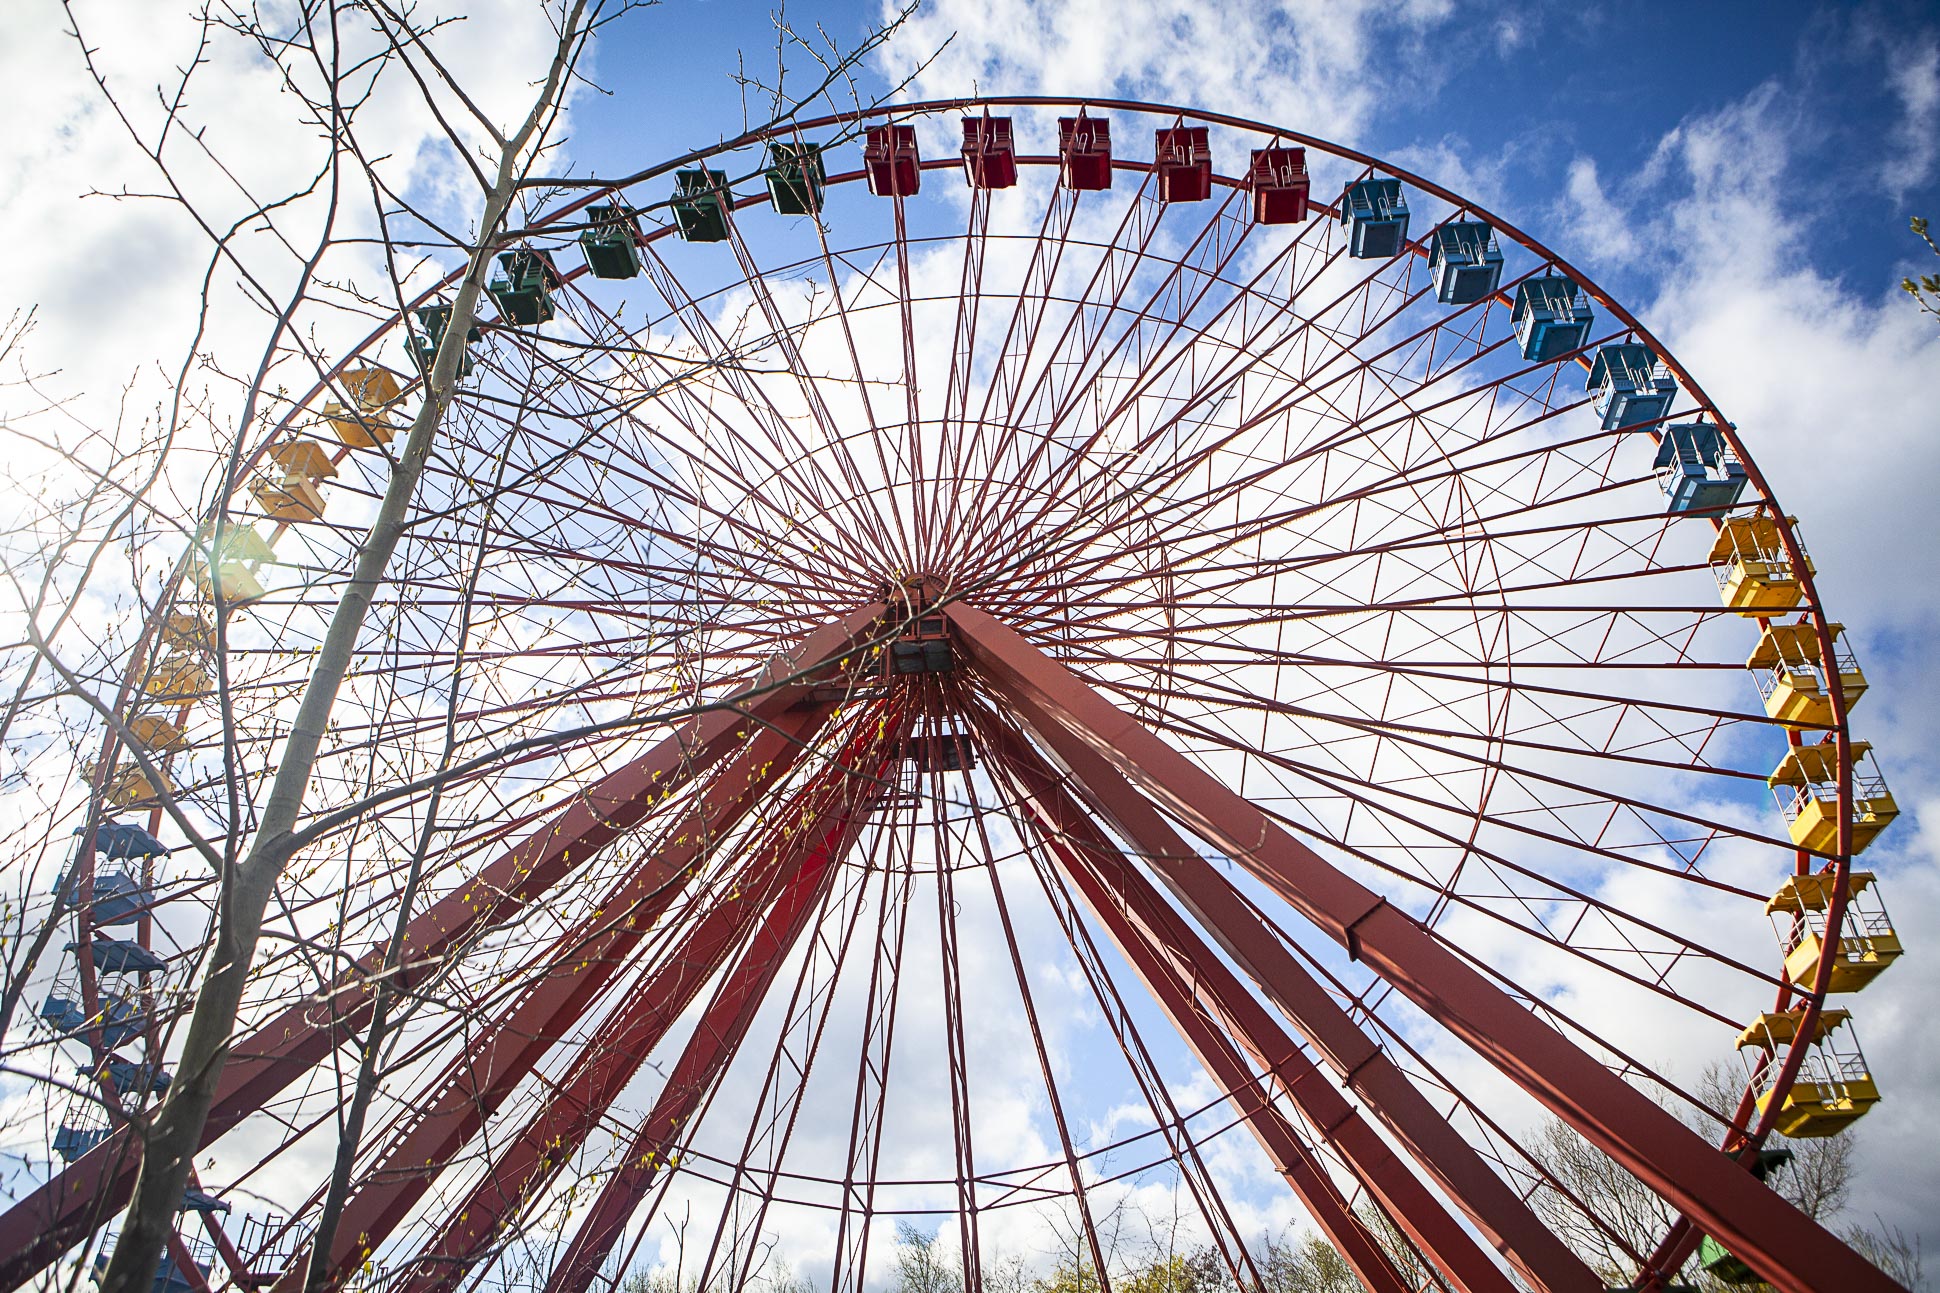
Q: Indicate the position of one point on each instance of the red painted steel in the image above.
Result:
(889, 156)
(42, 1225)
(1784, 1246)
(989, 156)
(1477, 1189)
(1278, 178)
(1182, 157)
(1079, 846)
(584, 960)
(1084, 153)
(1490, 1204)
(714, 1042)
(604, 1066)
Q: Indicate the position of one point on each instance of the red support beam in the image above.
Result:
(1079, 846)
(582, 962)
(64, 1210)
(1785, 1247)
(1172, 958)
(1463, 1176)
(790, 859)
(715, 1040)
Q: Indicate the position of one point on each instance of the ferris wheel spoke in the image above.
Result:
(1197, 554)
(1512, 1156)
(874, 1054)
(753, 398)
(690, 1080)
(951, 459)
(820, 843)
(1011, 404)
(1154, 341)
(977, 461)
(1180, 466)
(594, 952)
(521, 1170)
(1079, 1194)
(911, 442)
(1380, 798)
(1058, 832)
(1215, 904)
(1166, 1116)
(772, 1118)
(1401, 480)
(851, 482)
(866, 280)
(1204, 690)
(963, 1143)
(1407, 740)
(1071, 363)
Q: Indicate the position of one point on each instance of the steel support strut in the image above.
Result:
(1203, 996)
(508, 1047)
(1484, 1197)
(788, 859)
(1785, 1247)
(1084, 854)
(715, 1040)
(65, 1209)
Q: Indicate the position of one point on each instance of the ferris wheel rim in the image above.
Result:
(1810, 604)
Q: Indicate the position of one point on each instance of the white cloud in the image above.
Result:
(1914, 76)
(116, 278)
(1294, 62)
(1594, 220)
(1830, 383)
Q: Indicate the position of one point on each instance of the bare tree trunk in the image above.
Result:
(177, 1130)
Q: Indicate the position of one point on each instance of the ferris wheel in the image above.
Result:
(970, 662)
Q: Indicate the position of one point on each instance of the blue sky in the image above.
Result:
(1740, 175)
(1532, 94)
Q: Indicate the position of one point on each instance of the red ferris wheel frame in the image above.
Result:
(1091, 762)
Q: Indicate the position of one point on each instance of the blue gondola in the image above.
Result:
(123, 840)
(1375, 215)
(1551, 317)
(1465, 261)
(120, 899)
(72, 1142)
(1697, 470)
(122, 1021)
(169, 1277)
(63, 1013)
(194, 1200)
(130, 1076)
(1632, 389)
(122, 956)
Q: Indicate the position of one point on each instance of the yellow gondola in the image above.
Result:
(1753, 569)
(1865, 946)
(1806, 785)
(1834, 1089)
(1791, 674)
